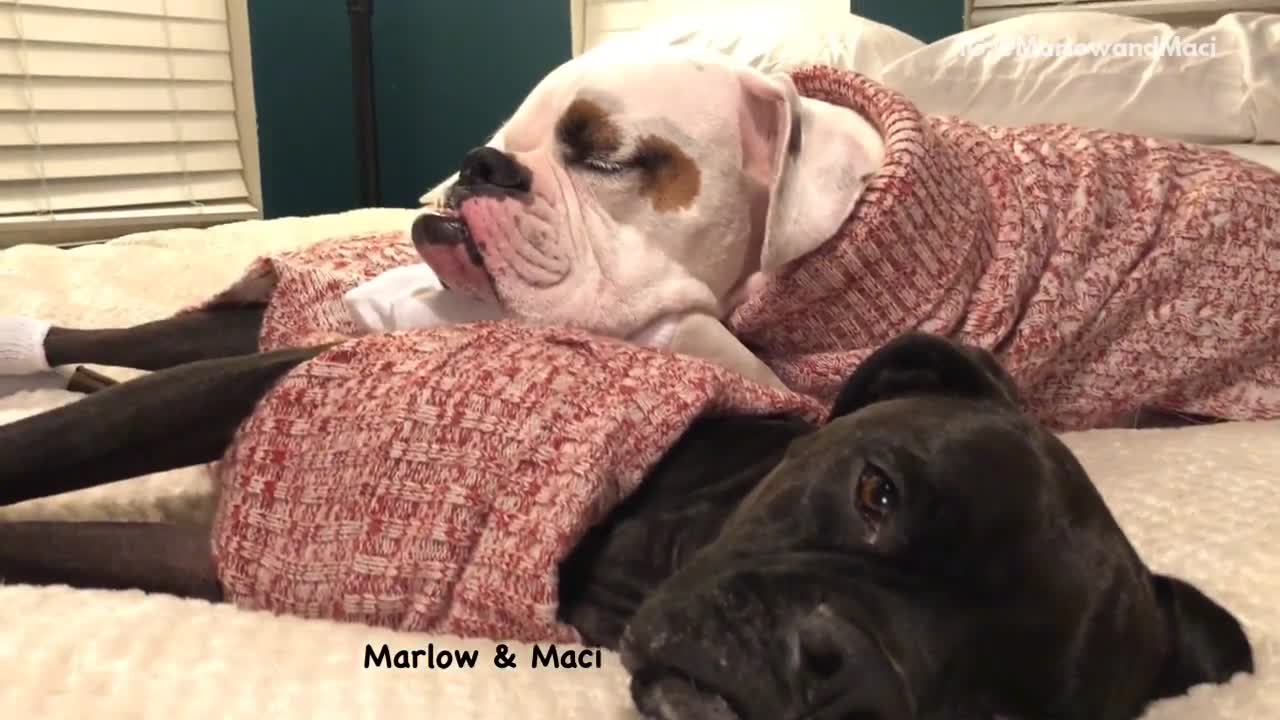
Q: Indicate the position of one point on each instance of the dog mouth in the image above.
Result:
(664, 689)
(445, 242)
(669, 695)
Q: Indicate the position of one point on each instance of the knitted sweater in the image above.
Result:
(303, 289)
(1107, 272)
(434, 480)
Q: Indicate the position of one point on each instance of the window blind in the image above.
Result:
(120, 114)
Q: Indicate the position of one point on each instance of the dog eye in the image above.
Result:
(877, 496)
(608, 167)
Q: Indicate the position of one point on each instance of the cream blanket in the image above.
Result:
(1201, 503)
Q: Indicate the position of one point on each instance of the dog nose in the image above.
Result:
(819, 649)
(826, 651)
(490, 166)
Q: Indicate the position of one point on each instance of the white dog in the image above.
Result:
(679, 200)
(660, 187)
(785, 226)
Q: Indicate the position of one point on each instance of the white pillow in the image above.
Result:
(1262, 72)
(1231, 96)
(778, 39)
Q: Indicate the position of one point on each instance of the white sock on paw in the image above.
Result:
(22, 345)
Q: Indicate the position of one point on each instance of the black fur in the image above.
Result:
(930, 553)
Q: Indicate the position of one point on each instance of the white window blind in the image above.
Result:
(122, 114)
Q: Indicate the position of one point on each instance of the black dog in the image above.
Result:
(930, 554)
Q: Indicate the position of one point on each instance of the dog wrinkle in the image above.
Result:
(573, 229)
(672, 178)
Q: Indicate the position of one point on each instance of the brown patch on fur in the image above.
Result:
(672, 180)
(588, 130)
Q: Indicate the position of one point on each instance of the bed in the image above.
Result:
(1266, 155)
(1202, 503)
(70, 654)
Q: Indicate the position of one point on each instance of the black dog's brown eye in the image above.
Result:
(877, 495)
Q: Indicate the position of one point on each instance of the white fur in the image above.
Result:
(589, 249)
(22, 345)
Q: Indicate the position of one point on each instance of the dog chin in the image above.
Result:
(445, 243)
(671, 697)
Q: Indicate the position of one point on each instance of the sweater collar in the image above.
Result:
(917, 238)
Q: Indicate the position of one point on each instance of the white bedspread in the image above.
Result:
(1201, 503)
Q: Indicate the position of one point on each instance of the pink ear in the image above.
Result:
(764, 125)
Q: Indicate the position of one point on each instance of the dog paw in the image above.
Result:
(22, 345)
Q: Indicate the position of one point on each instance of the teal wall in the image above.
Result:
(447, 72)
(302, 85)
(927, 20)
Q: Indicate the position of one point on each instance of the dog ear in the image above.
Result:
(1207, 643)
(810, 160)
(923, 364)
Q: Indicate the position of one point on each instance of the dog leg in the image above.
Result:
(186, 338)
(28, 345)
(87, 382)
(153, 557)
(173, 418)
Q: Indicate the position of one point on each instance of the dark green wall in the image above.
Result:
(302, 84)
(447, 73)
(927, 20)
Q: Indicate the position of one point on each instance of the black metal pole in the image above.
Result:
(360, 13)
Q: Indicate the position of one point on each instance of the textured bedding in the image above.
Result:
(1200, 503)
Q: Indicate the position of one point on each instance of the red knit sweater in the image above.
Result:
(1107, 272)
(433, 480)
